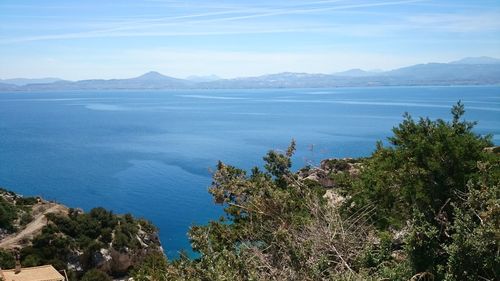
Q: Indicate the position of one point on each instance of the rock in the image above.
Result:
(334, 199)
(328, 168)
(398, 236)
(121, 262)
(321, 177)
(493, 149)
(344, 165)
(118, 263)
(73, 261)
(399, 255)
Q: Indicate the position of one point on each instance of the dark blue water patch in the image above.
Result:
(150, 153)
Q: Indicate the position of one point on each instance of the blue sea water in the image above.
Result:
(150, 152)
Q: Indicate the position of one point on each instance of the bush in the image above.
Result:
(31, 260)
(153, 267)
(26, 201)
(26, 218)
(95, 275)
(8, 214)
(7, 260)
(473, 252)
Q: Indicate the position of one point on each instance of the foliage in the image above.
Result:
(15, 210)
(84, 234)
(427, 164)
(26, 201)
(425, 179)
(474, 251)
(95, 275)
(7, 259)
(153, 267)
(8, 214)
(275, 228)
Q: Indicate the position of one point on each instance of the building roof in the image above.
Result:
(37, 273)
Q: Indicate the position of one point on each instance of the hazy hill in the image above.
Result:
(467, 71)
(208, 78)
(356, 72)
(477, 60)
(26, 81)
(438, 72)
(150, 80)
(8, 87)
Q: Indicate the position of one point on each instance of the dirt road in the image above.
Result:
(34, 227)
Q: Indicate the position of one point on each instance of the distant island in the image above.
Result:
(467, 71)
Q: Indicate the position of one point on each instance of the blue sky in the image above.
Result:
(74, 39)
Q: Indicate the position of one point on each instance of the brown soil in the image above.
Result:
(33, 228)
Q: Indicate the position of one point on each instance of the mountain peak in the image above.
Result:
(355, 72)
(477, 60)
(152, 75)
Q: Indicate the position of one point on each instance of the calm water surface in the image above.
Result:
(150, 152)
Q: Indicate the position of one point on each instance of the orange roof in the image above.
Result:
(37, 273)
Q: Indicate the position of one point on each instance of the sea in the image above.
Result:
(151, 153)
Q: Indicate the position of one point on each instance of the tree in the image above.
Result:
(153, 267)
(420, 180)
(7, 260)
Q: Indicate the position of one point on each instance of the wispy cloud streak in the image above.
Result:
(145, 25)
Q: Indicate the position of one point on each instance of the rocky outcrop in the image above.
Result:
(118, 263)
(493, 149)
(328, 169)
(333, 198)
(97, 239)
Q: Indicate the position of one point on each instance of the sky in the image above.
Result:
(74, 40)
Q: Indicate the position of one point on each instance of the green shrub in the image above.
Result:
(7, 259)
(95, 275)
(26, 218)
(26, 201)
(8, 214)
(31, 260)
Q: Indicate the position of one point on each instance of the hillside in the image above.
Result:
(44, 232)
(30, 230)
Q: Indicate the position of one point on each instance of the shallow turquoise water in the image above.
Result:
(150, 152)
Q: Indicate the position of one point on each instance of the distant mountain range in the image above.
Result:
(26, 81)
(467, 71)
(208, 78)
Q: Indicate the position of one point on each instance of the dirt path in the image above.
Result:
(34, 227)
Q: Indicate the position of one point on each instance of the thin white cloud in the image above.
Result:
(457, 22)
(148, 24)
(351, 30)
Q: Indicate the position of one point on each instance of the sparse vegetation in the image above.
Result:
(65, 237)
(15, 210)
(75, 241)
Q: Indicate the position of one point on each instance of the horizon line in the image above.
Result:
(376, 70)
